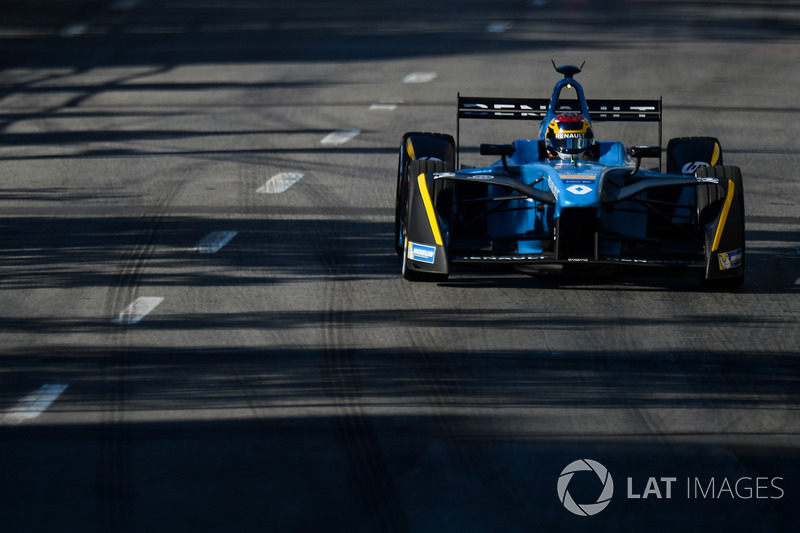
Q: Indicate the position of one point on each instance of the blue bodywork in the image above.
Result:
(530, 208)
(572, 184)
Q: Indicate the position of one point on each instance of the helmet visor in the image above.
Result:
(571, 143)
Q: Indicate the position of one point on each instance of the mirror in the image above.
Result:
(497, 149)
(638, 152)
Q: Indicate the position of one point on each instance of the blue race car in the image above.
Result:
(567, 198)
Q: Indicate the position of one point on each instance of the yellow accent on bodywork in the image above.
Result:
(723, 217)
(426, 199)
(715, 155)
(410, 149)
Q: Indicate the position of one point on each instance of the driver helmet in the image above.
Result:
(569, 136)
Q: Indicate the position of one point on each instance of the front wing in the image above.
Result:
(719, 208)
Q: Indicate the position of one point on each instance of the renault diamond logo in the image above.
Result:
(579, 189)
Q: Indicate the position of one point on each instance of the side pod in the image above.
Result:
(424, 253)
(725, 234)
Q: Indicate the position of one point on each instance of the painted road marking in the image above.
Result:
(499, 27)
(213, 242)
(280, 182)
(339, 137)
(123, 5)
(420, 77)
(35, 403)
(72, 30)
(138, 310)
(383, 107)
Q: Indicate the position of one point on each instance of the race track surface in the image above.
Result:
(202, 319)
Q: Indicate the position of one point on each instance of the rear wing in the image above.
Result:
(476, 107)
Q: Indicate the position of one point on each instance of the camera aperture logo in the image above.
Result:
(585, 509)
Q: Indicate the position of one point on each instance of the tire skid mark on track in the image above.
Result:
(114, 484)
(369, 473)
(114, 481)
(339, 368)
(342, 383)
(437, 375)
(607, 362)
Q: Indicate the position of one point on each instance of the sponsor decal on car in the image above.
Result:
(421, 252)
(579, 189)
(728, 260)
(690, 167)
(587, 176)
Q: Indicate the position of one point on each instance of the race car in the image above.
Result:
(567, 198)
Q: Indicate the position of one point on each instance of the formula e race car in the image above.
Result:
(565, 198)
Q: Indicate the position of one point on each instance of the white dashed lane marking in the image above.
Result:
(339, 137)
(280, 182)
(138, 309)
(213, 242)
(124, 5)
(383, 107)
(499, 27)
(34, 404)
(419, 77)
(72, 30)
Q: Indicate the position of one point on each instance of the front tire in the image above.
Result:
(710, 200)
(415, 168)
(686, 154)
(417, 146)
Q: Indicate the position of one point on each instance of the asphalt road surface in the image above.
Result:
(202, 321)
